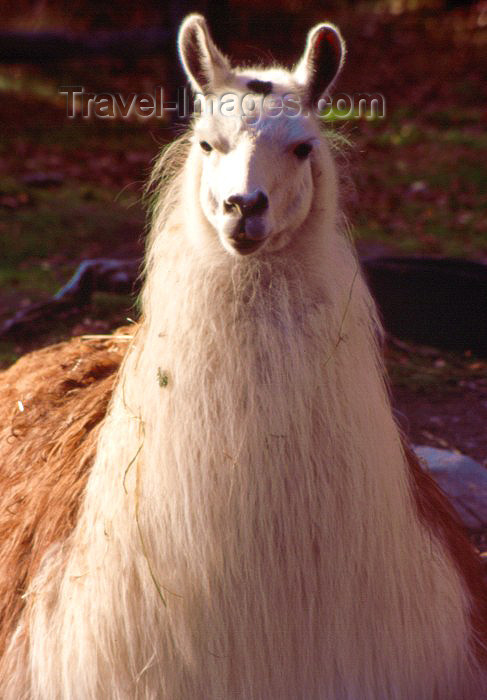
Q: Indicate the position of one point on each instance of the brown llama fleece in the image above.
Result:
(53, 401)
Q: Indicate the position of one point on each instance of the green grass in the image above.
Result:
(428, 370)
(38, 277)
(89, 135)
(64, 219)
(424, 182)
(8, 354)
(25, 84)
(108, 305)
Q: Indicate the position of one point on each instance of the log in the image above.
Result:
(101, 274)
(440, 302)
(433, 301)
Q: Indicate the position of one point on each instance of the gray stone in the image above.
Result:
(463, 479)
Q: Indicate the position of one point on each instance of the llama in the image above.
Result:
(244, 520)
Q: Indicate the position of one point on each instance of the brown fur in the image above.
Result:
(47, 451)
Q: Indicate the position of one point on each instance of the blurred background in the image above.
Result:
(414, 183)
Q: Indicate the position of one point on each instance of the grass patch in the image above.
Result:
(77, 134)
(113, 306)
(423, 183)
(25, 84)
(64, 219)
(428, 370)
(40, 278)
(405, 134)
(8, 354)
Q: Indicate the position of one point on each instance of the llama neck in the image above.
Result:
(274, 448)
(261, 491)
(264, 372)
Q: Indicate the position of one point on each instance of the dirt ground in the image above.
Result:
(454, 420)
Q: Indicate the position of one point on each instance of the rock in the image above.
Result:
(463, 480)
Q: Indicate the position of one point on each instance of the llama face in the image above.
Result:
(256, 185)
(257, 141)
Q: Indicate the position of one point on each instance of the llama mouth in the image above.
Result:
(248, 236)
(245, 246)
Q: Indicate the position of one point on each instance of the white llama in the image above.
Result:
(252, 527)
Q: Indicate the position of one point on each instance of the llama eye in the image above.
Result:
(303, 150)
(206, 146)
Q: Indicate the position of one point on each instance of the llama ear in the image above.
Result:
(205, 66)
(321, 62)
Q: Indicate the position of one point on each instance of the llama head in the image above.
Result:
(257, 149)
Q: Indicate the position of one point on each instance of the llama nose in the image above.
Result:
(247, 204)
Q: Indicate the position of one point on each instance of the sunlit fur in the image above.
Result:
(248, 529)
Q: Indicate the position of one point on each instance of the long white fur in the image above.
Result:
(248, 529)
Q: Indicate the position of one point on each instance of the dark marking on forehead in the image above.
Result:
(260, 87)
